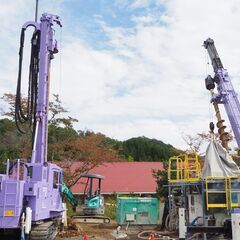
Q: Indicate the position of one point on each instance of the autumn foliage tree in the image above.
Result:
(83, 154)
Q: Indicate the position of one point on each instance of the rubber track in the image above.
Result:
(46, 230)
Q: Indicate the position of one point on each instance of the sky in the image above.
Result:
(129, 68)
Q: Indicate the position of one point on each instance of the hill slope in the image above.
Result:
(146, 149)
(15, 145)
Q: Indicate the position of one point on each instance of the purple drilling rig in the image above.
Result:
(30, 191)
(226, 94)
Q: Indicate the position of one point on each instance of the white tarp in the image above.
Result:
(218, 162)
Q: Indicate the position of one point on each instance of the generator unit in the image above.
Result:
(137, 211)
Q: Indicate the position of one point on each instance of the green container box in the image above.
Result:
(137, 211)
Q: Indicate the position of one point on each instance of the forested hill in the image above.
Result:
(144, 149)
(66, 143)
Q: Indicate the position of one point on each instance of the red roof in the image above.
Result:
(124, 177)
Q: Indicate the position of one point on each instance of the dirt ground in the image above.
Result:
(104, 232)
(93, 231)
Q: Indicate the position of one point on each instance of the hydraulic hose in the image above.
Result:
(25, 110)
(147, 234)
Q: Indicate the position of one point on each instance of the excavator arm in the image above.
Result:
(69, 195)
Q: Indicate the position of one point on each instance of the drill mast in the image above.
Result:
(226, 94)
(48, 46)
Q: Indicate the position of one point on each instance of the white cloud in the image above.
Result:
(140, 3)
(150, 80)
(14, 14)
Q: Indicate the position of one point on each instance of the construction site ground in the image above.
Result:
(108, 232)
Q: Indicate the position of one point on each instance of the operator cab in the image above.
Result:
(93, 185)
(93, 202)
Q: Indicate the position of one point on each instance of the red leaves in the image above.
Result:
(90, 151)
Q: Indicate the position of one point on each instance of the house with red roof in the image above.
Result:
(124, 178)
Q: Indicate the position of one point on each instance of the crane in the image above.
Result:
(226, 94)
(30, 191)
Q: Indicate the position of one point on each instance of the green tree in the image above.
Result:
(145, 149)
(161, 177)
(16, 145)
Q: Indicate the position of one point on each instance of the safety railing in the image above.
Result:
(216, 192)
(222, 192)
(175, 169)
(234, 191)
(193, 169)
(184, 168)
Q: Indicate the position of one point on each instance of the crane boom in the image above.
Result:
(226, 94)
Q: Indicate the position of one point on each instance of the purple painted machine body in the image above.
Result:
(35, 184)
(226, 94)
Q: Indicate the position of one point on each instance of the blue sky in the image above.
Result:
(130, 68)
(86, 18)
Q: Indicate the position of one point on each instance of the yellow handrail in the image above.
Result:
(235, 191)
(217, 192)
(175, 169)
(184, 168)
